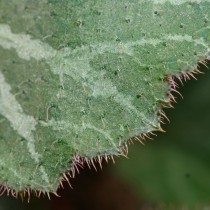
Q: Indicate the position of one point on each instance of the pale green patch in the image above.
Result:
(24, 45)
(20, 122)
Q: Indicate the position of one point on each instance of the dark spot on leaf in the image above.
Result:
(156, 12)
(115, 73)
(118, 39)
(79, 23)
(138, 96)
(98, 12)
(181, 26)
(52, 13)
(127, 20)
(164, 44)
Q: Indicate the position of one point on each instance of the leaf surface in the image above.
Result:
(79, 78)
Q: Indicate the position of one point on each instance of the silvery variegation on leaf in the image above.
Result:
(79, 78)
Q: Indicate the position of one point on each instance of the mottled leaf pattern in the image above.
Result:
(78, 78)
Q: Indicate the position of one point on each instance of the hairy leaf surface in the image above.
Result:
(81, 77)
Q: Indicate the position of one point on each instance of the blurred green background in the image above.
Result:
(170, 172)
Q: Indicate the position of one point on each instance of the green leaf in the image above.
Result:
(79, 78)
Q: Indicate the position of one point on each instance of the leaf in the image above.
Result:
(79, 78)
